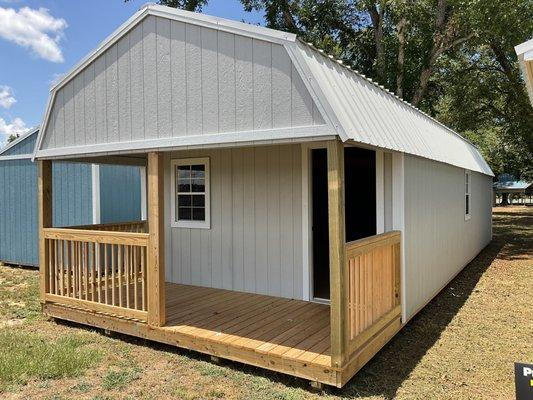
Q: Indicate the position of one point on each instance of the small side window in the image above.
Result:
(468, 204)
(190, 188)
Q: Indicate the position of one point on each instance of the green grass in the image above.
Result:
(82, 387)
(116, 380)
(19, 295)
(27, 355)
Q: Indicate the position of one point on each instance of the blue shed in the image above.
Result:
(83, 194)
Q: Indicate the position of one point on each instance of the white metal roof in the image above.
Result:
(525, 57)
(354, 107)
(367, 113)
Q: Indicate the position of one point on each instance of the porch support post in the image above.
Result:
(45, 221)
(337, 241)
(156, 249)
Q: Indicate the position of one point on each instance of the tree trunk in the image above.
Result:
(400, 31)
(434, 53)
(376, 15)
(422, 87)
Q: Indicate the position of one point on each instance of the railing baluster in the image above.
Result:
(79, 263)
(56, 266)
(92, 268)
(62, 268)
(48, 243)
(127, 272)
(120, 272)
(143, 275)
(98, 266)
(74, 270)
(85, 269)
(67, 262)
(113, 282)
(105, 274)
(135, 277)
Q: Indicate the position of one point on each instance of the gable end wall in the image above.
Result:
(169, 79)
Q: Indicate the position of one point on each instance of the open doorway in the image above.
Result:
(360, 213)
(359, 193)
(320, 229)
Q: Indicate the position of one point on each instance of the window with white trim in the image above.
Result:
(190, 193)
(468, 203)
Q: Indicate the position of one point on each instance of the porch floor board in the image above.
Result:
(272, 326)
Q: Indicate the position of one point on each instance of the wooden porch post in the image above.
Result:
(156, 249)
(45, 221)
(337, 241)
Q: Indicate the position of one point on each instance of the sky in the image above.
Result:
(40, 40)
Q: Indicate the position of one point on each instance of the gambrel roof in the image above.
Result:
(324, 97)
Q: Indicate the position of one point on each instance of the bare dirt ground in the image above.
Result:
(461, 346)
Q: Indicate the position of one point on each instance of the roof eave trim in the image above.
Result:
(44, 125)
(271, 136)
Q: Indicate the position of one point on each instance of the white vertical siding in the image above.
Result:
(169, 79)
(254, 243)
(387, 191)
(438, 240)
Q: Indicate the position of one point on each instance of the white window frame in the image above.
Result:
(174, 223)
(468, 192)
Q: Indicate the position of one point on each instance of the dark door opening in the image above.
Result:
(359, 193)
(319, 192)
(360, 211)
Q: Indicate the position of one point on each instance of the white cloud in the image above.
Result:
(35, 29)
(6, 97)
(16, 127)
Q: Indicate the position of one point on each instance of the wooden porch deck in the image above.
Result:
(262, 325)
(282, 335)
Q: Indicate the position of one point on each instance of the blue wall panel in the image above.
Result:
(18, 205)
(120, 193)
(24, 147)
(72, 194)
(18, 212)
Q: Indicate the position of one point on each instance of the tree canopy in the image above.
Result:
(454, 59)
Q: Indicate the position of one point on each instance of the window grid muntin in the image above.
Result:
(190, 184)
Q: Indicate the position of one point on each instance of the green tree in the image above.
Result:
(13, 137)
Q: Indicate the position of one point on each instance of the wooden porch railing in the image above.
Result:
(97, 270)
(130, 226)
(373, 287)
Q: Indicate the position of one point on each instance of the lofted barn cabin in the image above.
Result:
(298, 214)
